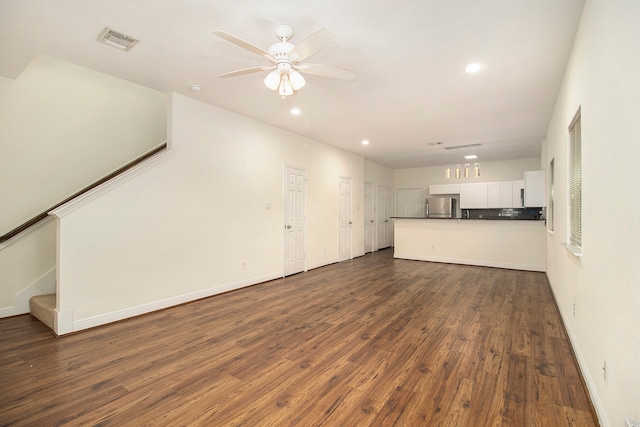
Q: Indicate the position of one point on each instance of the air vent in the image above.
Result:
(117, 39)
(456, 147)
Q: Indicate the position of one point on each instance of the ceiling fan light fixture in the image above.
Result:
(297, 81)
(272, 81)
(285, 88)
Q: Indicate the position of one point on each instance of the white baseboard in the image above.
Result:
(322, 263)
(481, 263)
(603, 420)
(46, 284)
(103, 319)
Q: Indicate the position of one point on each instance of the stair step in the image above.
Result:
(42, 308)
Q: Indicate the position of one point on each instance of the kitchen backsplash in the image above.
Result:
(515, 213)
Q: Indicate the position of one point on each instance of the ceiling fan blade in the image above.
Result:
(243, 44)
(327, 71)
(244, 71)
(313, 44)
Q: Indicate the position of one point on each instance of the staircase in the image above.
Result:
(42, 308)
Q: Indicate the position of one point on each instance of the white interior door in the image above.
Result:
(385, 206)
(410, 202)
(344, 219)
(294, 220)
(368, 218)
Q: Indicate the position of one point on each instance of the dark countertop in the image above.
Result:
(502, 218)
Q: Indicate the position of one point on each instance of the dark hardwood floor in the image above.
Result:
(368, 342)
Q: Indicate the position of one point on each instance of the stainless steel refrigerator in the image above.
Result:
(440, 207)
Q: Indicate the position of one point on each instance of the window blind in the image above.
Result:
(575, 182)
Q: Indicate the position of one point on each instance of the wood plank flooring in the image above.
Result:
(368, 342)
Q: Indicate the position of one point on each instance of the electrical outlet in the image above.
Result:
(604, 372)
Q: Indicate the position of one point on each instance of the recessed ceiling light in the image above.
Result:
(295, 111)
(365, 142)
(471, 156)
(196, 88)
(472, 68)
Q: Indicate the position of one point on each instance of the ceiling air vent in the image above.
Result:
(117, 39)
(457, 147)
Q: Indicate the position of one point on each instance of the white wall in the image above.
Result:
(508, 170)
(62, 127)
(377, 174)
(602, 79)
(182, 229)
(472, 242)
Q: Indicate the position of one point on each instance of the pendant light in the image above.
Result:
(476, 167)
(447, 173)
(467, 167)
(457, 171)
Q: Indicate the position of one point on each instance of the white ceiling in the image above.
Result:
(410, 57)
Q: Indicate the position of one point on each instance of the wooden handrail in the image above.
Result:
(19, 229)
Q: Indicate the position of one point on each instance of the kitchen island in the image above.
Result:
(512, 244)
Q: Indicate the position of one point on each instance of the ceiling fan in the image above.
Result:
(286, 60)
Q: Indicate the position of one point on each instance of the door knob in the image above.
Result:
(350, 222)
(287, 226)
(371, 220)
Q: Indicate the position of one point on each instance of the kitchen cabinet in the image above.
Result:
(506, 194)
(534, 186)
(493, 200)
(480, 195)
(473, 196)
(466, 196)
(444, 189)
(518, 190)
(500, 194)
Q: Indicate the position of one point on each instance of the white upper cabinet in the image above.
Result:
(480, 195)
(466, 196)
(444, 189)
(494, 195)
(506, 194)
(534, 186)
(474, 196)
(500, 194)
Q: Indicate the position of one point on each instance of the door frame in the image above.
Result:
(284, 215)
(340, 178)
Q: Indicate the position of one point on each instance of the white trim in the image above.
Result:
(8, 312)
(481, 263)
(322, 263)
(63, 321)
(573, 250)
(126, 313)
(583, 367)
(24, 233)
(45, 284)
(87, 197)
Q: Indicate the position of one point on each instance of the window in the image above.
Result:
(575, 185)
(550, 207)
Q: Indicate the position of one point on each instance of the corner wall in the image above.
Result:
(182, 229)
(62, 127)
(604, 284)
